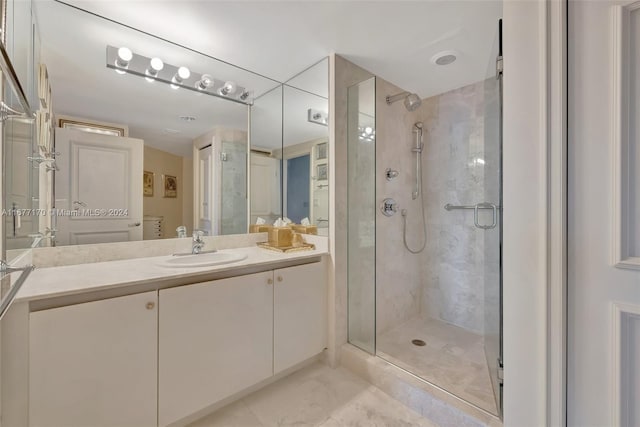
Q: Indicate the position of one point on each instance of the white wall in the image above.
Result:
(525, 228)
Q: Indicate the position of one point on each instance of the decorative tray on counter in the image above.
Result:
(285, 249)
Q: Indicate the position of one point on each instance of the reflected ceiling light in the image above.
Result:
(244, 95)
(229, 88)
(122, 61)
(155, 66)
(205, 82)
(317, 117)
(182, 75)
(169, 131)
(366, 134)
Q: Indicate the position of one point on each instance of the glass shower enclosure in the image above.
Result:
(437, 313)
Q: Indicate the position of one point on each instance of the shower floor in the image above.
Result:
(452, 358)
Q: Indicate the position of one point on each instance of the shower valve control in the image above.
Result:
(389, 207)
(391, 174)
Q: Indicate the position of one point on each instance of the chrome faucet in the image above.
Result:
(49, 233)
(198, 243)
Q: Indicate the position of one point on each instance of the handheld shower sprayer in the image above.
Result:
(417, 192)
(417, 130)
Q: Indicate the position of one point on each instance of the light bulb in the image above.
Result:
(125, 54)
(229, 88)
(182, 74)
(205, 81)
(122, 61)
(368, 130)
(155, 66)
(245, 95)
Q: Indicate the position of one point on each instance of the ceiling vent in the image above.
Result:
(444, 58)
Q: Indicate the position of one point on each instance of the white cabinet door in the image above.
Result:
(216, 339)
(95, 364)
(300, 314)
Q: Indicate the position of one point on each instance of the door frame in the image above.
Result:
(558, 201)
(535, 212)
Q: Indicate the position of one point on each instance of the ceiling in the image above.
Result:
(275, 40)
(84, 87)
(392, 39)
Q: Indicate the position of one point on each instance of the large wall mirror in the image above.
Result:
(21, 178)
(290, 146)
(155, 140)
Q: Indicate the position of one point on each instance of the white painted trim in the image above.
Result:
(557, 190)
(620, 136)
(248, 166)
(526, 214)
(336, 308)
(619, 309)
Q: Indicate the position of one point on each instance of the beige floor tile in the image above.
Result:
(305, 398)
(234, 415)
(374, 408)
(453, 358)
(316, 396)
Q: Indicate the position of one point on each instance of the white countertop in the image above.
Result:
(54, 282)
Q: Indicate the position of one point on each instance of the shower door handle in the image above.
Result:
(485, 205)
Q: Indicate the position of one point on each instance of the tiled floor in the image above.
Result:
(316, 396)
(453, 358)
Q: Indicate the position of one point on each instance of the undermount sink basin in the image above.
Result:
(203, 260)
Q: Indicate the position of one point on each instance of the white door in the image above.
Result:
(604, 300)
(265, 187)
(98, 188)
(205, 184)
(95, 364)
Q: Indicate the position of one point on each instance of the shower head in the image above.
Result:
(411, 101)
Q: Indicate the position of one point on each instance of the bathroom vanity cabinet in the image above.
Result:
(94, 364)
(299, 314)
(157, 357)
(215, 340)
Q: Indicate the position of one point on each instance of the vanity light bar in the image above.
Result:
(176, 76)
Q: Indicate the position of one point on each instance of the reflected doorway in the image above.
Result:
(298, 187)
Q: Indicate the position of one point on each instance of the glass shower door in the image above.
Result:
(233, 203)
(493, 238)
(361, 215)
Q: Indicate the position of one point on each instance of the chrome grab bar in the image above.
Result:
(8, 299)
(476, 209)
(10, 73)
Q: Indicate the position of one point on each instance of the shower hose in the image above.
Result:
(424, 222)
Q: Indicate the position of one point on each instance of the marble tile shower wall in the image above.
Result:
(234, 184)
(455, 165)
(398, 272)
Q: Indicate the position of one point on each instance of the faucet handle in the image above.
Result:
(197, 235)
